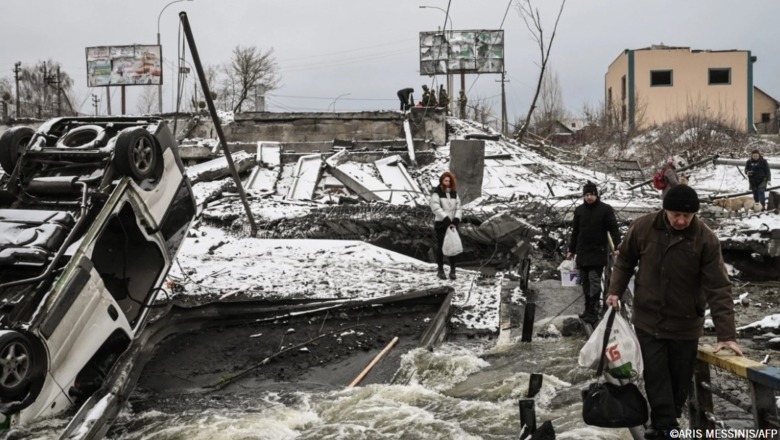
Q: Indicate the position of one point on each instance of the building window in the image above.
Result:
(623, 87)
(660, 78)
(765, 117)
(720, 76)
(623, 114)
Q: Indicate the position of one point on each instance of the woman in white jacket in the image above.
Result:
(445, 205)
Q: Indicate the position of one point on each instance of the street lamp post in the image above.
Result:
(159, 86)
(337, 98)
(449, 76)
(446, 15)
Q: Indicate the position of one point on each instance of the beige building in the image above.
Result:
(766, 112)
(658, 84)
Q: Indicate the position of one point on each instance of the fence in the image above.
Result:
(763, 381)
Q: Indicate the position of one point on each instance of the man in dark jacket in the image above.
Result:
(681, 272)
(592, 221)
(406, 98)
(757, 170)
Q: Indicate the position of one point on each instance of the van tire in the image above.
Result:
(17, 365)
(84, 137)
(12, 144)
(136, 153)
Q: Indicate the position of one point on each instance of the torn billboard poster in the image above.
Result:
(124, 65)
(473, 51)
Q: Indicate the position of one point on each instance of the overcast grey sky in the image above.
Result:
(369, 49)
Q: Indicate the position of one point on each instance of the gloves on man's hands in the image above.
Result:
(447, 220)
(456, 222)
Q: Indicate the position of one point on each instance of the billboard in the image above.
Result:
(474, 51)
(124, 65)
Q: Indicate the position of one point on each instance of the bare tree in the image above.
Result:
(40, 87)
(147, 102)
(533, 21)
(248, 68)
(481, 110)
(551, 108)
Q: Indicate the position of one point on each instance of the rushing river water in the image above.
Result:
(460, 391)
(464, 390)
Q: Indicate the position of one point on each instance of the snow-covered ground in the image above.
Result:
(215, 264)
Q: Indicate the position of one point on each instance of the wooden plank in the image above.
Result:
(727, 361)
(754, 371)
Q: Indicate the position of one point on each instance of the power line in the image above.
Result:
(505, 14)
(343, 61)
(347, 51)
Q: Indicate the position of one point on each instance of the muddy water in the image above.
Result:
(464, 390)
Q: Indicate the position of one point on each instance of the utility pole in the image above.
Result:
(504, 122)
(17, 69)
(95, 101)
(45, 87)
(54, 80)
(108, 100)
(59, 93)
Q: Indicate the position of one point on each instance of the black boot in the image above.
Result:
(591, 315)
(596, 308)
(583, 316)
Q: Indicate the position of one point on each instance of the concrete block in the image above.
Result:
(467, 161)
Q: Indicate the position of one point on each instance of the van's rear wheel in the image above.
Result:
(16, 365)
(136, 153)
(12, 144)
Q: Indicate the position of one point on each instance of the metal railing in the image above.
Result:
(763, 382)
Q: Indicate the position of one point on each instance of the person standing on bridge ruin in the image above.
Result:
(447, 212)
(670, 175)
(593, 220)
(444, 100)
(429, 97)
(406, 97)
(681, 272)
(462, 100)
(757, 170)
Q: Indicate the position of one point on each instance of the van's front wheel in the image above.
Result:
(16, 365)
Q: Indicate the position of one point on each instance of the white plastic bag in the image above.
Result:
(452, 245)
(623, 355)
(570, 276)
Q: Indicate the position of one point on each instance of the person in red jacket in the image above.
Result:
(681, 272)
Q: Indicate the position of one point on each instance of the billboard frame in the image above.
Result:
(126, 65)
(462, 51)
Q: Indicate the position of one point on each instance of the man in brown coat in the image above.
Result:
(681, 272)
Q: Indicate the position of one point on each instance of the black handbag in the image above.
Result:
(612, 406)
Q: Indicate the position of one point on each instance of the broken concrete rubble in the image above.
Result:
(218, 168)
(363, 185)
(403, 189)
(305, 177)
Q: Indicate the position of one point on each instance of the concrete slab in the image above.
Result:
(305, 177)
(269, 153)
(363, 184)
(404, 189)
(218, 168)
(262, 180)
(467, 161)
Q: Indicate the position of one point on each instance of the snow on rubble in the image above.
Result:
(216, 264)
(212, 263)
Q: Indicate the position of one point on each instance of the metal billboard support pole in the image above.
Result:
(217, 125)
